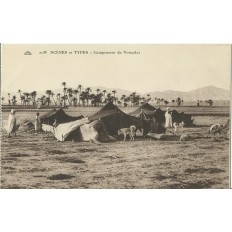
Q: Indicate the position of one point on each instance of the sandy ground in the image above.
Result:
(39, 161)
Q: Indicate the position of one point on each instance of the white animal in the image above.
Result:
(128, 131)
(185, 137)
(216, 129)
(177, 127)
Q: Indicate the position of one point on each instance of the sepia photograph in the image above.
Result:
(115, 116)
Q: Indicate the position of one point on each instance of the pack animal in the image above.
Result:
(128, 131)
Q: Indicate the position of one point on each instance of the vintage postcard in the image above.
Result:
(115, 116)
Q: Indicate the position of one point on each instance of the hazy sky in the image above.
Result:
(154, 67)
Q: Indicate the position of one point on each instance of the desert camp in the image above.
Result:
(116, 122)
(68, 140)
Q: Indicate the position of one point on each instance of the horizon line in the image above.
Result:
(116, 88)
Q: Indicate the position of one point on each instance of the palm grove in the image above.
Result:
(81, 96)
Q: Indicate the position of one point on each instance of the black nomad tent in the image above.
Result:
(182, 117)
(115, 119)
(145, 108)
(59, 115)
(147, 112)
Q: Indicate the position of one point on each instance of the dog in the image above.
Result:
(128, 131)
(178, 126)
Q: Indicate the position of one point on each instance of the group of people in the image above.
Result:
(11, 125)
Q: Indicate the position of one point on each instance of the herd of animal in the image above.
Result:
(215, 129)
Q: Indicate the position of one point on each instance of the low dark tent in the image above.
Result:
(150, 113)
(182, 117)
(59, 115)
(147, 112)
(115, 119)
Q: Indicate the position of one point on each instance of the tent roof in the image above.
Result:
(59, 114)
(146, 108)
(108, 110)
(115, 119)
(51, 112)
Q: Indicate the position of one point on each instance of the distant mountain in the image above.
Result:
(205, 93)
(209, 92)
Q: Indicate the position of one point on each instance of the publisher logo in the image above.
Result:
(27, 53)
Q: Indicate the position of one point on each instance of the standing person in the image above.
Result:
(168, 118)
(37, 122)
(11, 123)
(55, 123)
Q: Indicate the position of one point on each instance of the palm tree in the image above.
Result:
(123, 97)
(64, 91)
(156, 100)
(80, 90)
(13, 100)
(130, 97)
(83, 97)
(148, 98)
(29, 99)
(58, 98)
(104, 95)
(23, 99)
(178, 101)
(210, 102)
(88, 90)
(99, 99)
(42, 100)
(104, 92)
(48, 92)
(114, 92)
(166, 102)
(75, 91)
(161, 100)
(52, 94)
(63, 84)
(87, 95)
(173, 102)
(98, 90)
(109, 98)
(9, 102)
(47, 100)
(33, 95)
(19, 91)
(3, 100)
(69, 93)
(26, 98)
(143, 100)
